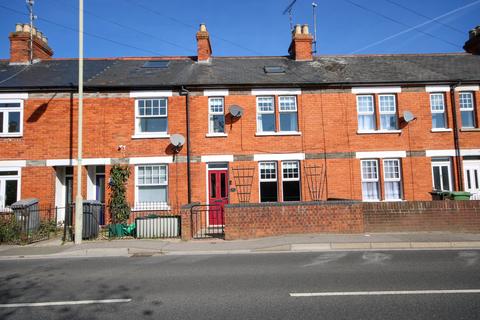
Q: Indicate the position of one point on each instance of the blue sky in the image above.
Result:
(244, 27)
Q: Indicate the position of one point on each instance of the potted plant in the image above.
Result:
(117, 203)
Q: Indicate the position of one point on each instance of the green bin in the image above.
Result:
(461, 195)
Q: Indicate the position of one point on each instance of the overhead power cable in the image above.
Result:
(126, 27)
(85, 33)
(425, 16)
(417, 26)
(187, 25)
(401, 23)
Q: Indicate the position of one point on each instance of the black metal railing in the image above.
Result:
(207, 221)
(28, 224)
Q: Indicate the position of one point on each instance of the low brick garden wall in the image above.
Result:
(422, 216)
(245, 221)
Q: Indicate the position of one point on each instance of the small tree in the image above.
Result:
(118, 204)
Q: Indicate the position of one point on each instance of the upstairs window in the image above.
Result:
(366, 113)
(268, 181)
(388, 112)
(467, 110)
(216, 115)
(385, 111)
(265, 114)
(151, 184)
(437, 107)
(11, 118)
(288, 113)
(151, 116)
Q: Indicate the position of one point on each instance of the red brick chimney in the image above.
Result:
(20, 45)
(473, 44)
(301, 47)
(204, 49)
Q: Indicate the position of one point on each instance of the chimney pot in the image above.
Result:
(39, 35)
(26, 27)
(45, 39)
(298, 29)
(203, 27)
(34, 31)
(18, 27)
(305, 29)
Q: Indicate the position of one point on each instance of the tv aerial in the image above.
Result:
(288, 10)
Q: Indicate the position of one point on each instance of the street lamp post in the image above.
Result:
(78, 198)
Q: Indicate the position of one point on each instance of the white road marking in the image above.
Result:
(382, 293)
(62, 303)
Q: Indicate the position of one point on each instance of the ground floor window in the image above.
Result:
(291, 180)
(151, 184)
(392, 177)
(370, 189)
(9, 187)
(268, 181)
(441, 174)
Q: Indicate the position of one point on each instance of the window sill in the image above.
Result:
(151, 136)
(11, 135)
(285, 133)
(379, 131)
(216, 135)
(389, 200)
(442, 130)
(470, 129)
(160, 206)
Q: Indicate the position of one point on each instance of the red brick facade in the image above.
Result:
(327, 137)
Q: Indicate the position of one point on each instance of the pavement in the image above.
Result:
(55, 248)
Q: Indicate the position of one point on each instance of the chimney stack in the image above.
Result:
(20, 45)
(473, 44)
(204, 49)
(301, 47)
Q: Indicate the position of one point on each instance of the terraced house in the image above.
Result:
(257, 129)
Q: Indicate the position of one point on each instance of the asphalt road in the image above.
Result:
(248, 286)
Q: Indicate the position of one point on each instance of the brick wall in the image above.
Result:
(422, 216)
(264, 220)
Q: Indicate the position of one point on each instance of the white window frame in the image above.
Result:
(260, 112)
(17, 177)
(366, 113)
(376, 180)
(298, 170)
(471, 108)
(260, 180)
(163, 205)
(441, 164)
(216, 113)
(6, 111)
(280, 111)
(388, 112)
(396, 179)
(442, 111)
(138, 118)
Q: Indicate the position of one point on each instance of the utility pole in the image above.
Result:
(78, 198)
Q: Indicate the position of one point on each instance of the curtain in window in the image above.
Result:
(370, 190)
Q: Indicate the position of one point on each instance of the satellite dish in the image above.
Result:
(236, 111)
(177, 140)
(408, 116)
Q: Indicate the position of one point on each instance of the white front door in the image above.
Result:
(471, 174)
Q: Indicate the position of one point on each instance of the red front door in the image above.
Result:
(218, 195)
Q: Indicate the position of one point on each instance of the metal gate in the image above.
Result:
(201, 215)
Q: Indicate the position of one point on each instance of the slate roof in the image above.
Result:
(125, 73)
